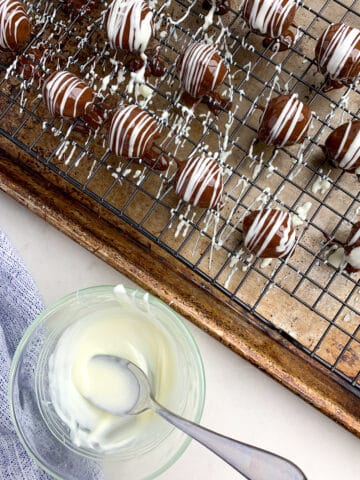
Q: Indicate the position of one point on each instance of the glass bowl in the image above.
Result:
(156, 445)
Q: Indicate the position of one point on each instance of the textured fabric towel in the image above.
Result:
(20, 303)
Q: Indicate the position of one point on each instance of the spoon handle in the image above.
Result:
(252, 462)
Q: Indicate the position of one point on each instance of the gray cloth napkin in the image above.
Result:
(20, 303)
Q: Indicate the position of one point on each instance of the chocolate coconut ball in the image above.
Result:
(271, 18)
(352, 250)
(129, 25)
(15, 28)
(198, 181)
(337, 55)
(342, 147)
(269, 233)
(201, 69)
(285, 121)
(132, 133)
(66, 95)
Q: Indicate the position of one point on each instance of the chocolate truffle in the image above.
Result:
(66, 95)
(271, 18)
(132, 133)
(285, 121)
(269, 233)
(198, 181)
(342, 147)
(129, 25)
(337, 55)
(15, 28)
(352, 250)
(201, 69)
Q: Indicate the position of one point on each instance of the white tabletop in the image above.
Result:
(241, 401)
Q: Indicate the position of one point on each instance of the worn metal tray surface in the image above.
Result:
(298, 318)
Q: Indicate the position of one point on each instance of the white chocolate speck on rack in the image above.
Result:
(268, 16)
(336, 258)
(352, 154)
(209, 18)
(129, 25)
(353, 258)
(301, 214)
(340, 47)
(321, 185)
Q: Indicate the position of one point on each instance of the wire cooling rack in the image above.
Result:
(304, 298)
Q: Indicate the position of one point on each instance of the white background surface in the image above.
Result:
(241, 401)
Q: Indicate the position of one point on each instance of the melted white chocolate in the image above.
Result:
(355, 238)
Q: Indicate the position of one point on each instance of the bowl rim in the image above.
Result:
(96, 290)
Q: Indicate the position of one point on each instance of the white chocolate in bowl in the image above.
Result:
(129, 333)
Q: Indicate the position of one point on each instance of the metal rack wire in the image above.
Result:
(325, 304)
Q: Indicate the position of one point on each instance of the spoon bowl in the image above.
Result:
(128, 391)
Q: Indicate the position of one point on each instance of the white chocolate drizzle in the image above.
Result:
(301, 214)
(355, 238)
(321, 185)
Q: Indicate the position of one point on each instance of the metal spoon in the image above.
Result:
(252, 462)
